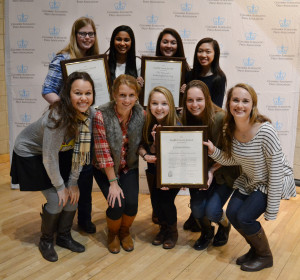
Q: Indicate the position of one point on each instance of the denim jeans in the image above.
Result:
(244, 210)
(129, 183)
(209, 202)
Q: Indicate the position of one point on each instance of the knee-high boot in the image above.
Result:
(207, 234)
(113, 241)
(48, 228)
(124, 234)
(263, 255)
(249, 255)
(64, 238)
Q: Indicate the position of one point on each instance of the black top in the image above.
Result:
(216, 85)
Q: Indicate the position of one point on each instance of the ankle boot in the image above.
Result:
(48, 228)
(263, 255)
(207, 234)
(64, 238)
(113, 241)
(124, 234)
(249, 255)
(171, 236)
(222, 235)
(161, 236)
(191, 224)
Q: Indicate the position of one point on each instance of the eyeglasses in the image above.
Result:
(83, 34)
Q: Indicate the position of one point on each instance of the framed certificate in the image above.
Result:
(97, 67)
(181, 156)
(168, 72)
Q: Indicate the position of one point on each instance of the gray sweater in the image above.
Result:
(39, 139)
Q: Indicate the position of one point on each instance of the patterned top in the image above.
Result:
(54, 79)
(102, 149)
(264, 168)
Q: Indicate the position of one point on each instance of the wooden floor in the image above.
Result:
(20, 257)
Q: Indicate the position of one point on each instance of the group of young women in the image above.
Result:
(61, 152)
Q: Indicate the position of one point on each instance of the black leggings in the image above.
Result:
(129, 183)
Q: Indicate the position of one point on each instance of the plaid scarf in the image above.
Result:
(81, 151)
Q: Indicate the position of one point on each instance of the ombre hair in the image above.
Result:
(207, 117)
(72, 48)
(229, 123)
(170, 120)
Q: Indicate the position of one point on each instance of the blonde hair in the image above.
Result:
(127, 80)
(72, 48)
(229, 123)
(170, 120)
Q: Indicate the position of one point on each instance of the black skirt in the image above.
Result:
(31, 175)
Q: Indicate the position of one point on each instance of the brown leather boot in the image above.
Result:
(124, 234)
(171, 236)
(160, 237)
(249, 255)
(113, 241)
(263, 255)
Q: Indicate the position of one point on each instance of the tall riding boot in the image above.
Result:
(249, 255)
(222, 235)
(113, 241)
(161, 236)
(263, 255)
(151, 181)
(48, 228)
(64, 238)
(124, 234)
(171, 236)
(207, 234)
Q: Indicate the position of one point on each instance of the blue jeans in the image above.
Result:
(243, 211)
(209, 202)
(129, 184)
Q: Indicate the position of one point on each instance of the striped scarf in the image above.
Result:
(81, 151)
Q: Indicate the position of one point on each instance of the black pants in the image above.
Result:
(129, 183)
(163, 202)
(85, 185)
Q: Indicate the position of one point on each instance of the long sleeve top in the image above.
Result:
(39, 139)
(264, 168)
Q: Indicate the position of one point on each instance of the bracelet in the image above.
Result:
(114, 179)
(143, 156)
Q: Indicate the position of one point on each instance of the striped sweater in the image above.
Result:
(264, 168)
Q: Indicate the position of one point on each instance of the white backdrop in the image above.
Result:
(259, 43)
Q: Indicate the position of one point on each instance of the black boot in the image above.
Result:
(207, 234)
(48, 228)
(64, 238)
(263, 256)
(191, 224)
(222, 235)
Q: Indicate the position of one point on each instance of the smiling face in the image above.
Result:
(206, 54)
(240, 104)
(122, 42)
(125, 99)
(159, 106)
(85, 42)
(81, 95)
(168, 45)
(195, 101)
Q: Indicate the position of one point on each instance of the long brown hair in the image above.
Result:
(229, 123)
(208, 115)
(72, 48)
(170, 120)
(62, 112)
